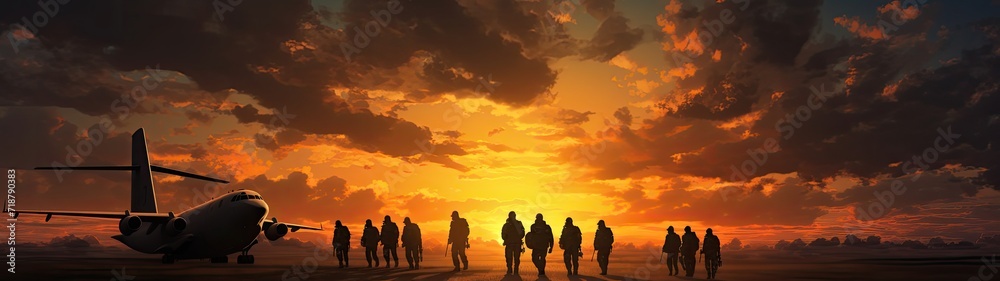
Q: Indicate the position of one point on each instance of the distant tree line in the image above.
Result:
(873, 241)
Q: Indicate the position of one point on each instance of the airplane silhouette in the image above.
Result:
(224, 225)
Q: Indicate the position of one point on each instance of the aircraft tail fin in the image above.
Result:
(143, 195)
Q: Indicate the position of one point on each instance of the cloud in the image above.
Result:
(855, 130)
(768, 202)
(613, 36)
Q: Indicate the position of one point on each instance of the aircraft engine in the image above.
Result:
(276, 231)
(129, 224)
(175, 226)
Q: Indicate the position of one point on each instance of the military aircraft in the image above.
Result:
(224, 225)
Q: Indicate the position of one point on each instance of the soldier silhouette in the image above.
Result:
(512, 233)
(413, 244)
(603, 241)
(370, 240)
(390, 240)
(458, 236)
(538, 239)
(712, 251)
(672, 246)
(689, 248)
(570, 241)
(341, 244)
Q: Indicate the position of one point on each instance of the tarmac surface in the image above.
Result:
(317, 264)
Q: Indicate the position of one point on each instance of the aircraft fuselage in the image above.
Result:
(218, 227)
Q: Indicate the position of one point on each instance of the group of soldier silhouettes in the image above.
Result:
(539, 238)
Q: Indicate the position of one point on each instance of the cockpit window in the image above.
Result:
(245, 196)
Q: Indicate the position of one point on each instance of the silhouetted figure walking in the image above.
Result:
(413, 244)
(370, 240)
(341, 244)
(712, 251)
(512, 233)
(538, 239)
(689, 247)
(570, 241)
(672, 246)
(458, 237)
(390, 240)
(603, 241)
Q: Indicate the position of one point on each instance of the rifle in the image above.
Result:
(701, 253)
(661, 258)
(592, 255)
(446, 250)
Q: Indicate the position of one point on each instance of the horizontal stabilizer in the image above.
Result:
(184, 174)
(134, 168)
(92, 168)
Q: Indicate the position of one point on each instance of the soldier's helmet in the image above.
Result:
(670, 229)
(511, 215)
(338, 223)
(538, 216)
(454, 214)
(387, 219)
(406, 220)
(687, 229)
(368, 222)
(708, 231)
(600, 223)
(569, 221)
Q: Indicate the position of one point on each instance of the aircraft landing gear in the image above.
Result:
(168, 259)
(222, 259)
(246, 258)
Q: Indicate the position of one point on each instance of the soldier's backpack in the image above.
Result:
(513, 231)
(531, 240)
(463, 228)
(536, 239)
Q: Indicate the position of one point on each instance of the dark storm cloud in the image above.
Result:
(884, 103)
(599, 9)
(613, 36)
(456, 40)
(278, 53)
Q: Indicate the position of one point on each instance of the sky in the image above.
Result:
(764, 120)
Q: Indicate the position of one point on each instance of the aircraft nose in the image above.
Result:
(257, 207)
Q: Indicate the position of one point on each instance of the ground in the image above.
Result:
(310, 263)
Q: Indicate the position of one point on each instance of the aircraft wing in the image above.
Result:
(151, 217)
(291, 226)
